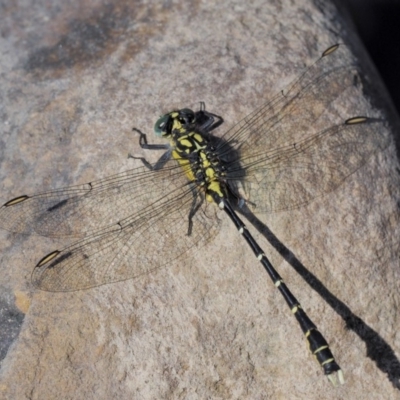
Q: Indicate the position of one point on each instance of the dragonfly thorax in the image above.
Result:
(201, 164)
(194, 152)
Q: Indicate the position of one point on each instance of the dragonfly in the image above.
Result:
(143, 219)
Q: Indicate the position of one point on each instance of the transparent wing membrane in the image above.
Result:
(294, 175)
(78, 210)
(128, 249)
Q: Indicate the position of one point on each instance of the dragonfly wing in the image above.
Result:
(78, 210)
(292, 176)
(292, 115)
(132, 247)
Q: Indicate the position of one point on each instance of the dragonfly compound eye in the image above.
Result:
(163, 125)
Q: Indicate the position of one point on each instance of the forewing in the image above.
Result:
(290, 116)
(78, 210)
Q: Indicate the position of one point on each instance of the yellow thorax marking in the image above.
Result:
(187, 141)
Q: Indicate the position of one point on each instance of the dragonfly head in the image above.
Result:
(181, 121)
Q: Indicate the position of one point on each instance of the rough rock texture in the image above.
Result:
(75, 78)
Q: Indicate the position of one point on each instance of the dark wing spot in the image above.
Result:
(58, 205)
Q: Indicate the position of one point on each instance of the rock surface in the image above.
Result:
(75, 79)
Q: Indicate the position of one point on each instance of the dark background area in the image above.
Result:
(378, 24)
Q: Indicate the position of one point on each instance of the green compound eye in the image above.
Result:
(160, 127)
